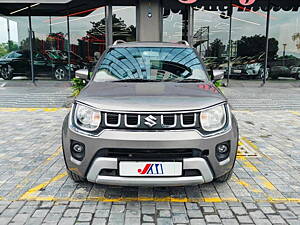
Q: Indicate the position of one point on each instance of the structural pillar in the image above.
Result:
(149, 20)
(108, 25)
(69, 48)
(31, 45)
(267, 45)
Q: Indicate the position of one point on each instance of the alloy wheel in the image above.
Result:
(59, 74)
(4, 73)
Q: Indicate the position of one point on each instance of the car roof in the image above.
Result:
(150, 44)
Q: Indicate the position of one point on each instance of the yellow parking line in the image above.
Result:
(266, 183)
(295, 113)
(27, 195)
(250, 166)
(27, 179)
(249, 143)
(247, 185)
(56, 153)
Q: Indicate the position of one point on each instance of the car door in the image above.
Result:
(40, 64)
(20, 62)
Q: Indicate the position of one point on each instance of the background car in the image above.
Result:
(48, 64)
(280, 71)
(295, 72)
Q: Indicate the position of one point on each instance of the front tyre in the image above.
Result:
(261, 73)
(6, 73)
(225, 177)
(75, 177)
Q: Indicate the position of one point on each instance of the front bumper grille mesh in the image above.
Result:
(148, 154)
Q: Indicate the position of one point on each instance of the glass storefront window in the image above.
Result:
(211, 38)
(172, 26)
(87, 34)
(248, 44)
(124, 23)
(285, 30)
(14, 47)
(50, 48)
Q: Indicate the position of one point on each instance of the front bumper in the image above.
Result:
(112, 163)
(91, 166)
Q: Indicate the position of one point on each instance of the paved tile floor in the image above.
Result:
(34, 187)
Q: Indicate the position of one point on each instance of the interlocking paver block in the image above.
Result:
(102, 213)
(85, 217)
(40, 213)
(194, 213)
(212, 218)
(71, 213)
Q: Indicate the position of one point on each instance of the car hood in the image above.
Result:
(150, 97)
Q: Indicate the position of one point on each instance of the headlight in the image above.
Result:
(87, 118)
(213, 119)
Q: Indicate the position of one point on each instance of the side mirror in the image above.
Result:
(83, 74)
(218, 75)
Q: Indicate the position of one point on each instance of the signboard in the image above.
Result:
(247, 2)
(188, 1)
(242, 2)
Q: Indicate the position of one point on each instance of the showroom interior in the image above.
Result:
(55, 39)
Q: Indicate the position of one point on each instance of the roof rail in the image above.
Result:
(183, 42)
(118, 42)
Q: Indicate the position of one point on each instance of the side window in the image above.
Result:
(38, 56)
(17, 55)
(10, 55)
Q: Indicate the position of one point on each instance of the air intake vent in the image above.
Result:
(132, 120)
(188, 120)
(112, 119)
(169, 121)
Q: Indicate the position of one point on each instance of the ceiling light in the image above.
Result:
(19, 10)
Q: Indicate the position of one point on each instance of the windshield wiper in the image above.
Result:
(190, 81)
(136, 80)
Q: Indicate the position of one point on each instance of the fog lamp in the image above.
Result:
(77, 150)
(222, 148)
(222, 151)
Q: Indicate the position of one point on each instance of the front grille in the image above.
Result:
(148, 154)
(151, 121)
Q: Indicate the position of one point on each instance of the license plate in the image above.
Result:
(150, 169)
(237, 71)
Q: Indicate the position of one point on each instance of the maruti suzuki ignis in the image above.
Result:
(150, 115)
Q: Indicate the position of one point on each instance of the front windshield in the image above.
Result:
(150, 64)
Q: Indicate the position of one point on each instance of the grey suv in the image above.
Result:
(150, 115)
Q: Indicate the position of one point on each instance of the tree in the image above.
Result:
(3, 50)
(8, 47)
(217, 48)
(256, 45)
(94, 40)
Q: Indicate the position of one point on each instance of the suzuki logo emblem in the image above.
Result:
(150, 121)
